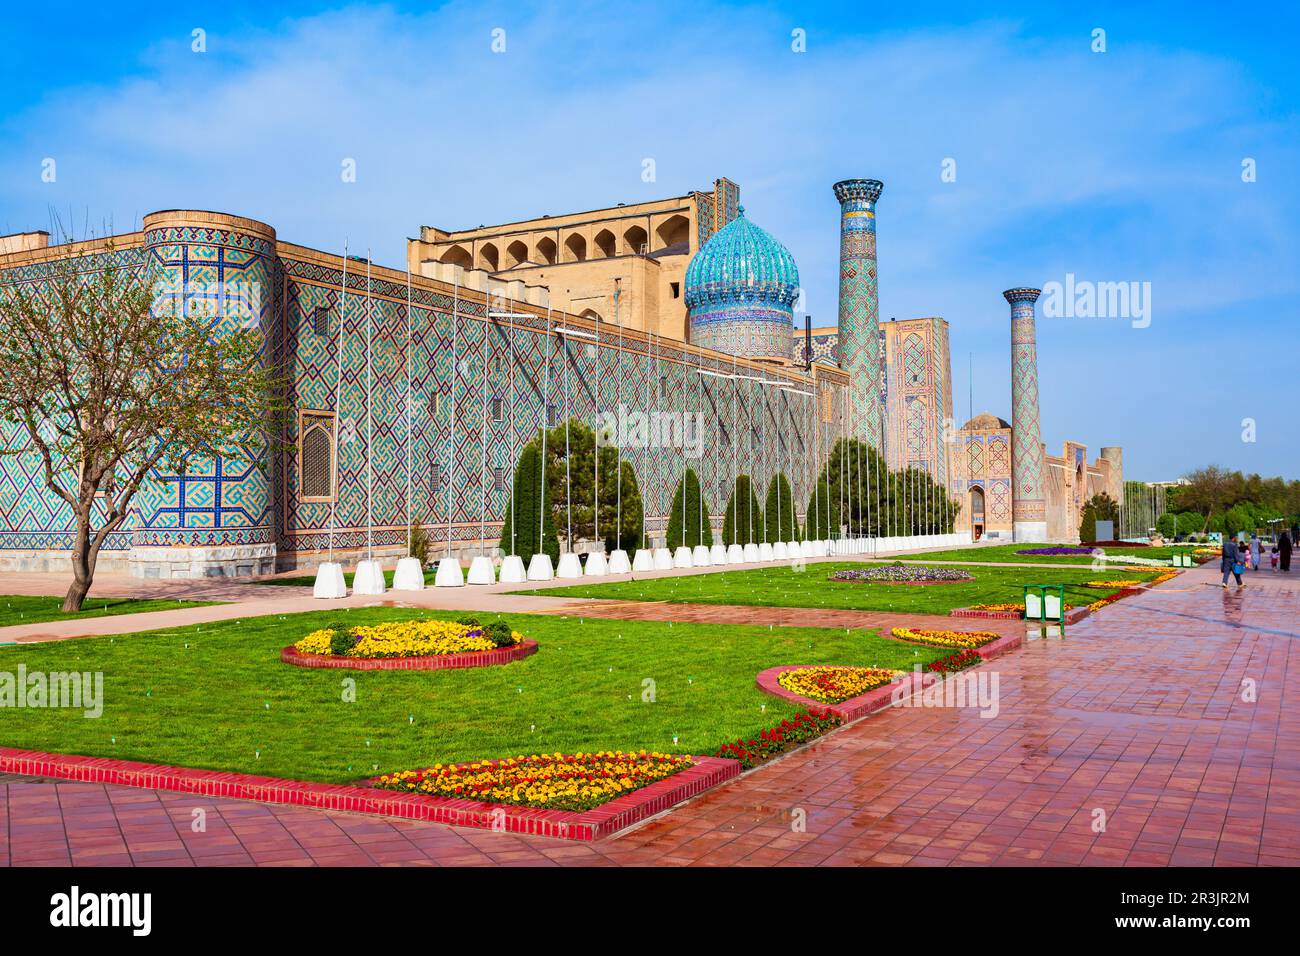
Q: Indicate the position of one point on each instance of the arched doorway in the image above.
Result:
(976, 513)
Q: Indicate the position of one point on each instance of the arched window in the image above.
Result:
(673, 231)
(489, 258)
(605, 243)
(575, 248)
(516, 253)
(634, 239)
(316, 456)
(546, 250)
(458, 256)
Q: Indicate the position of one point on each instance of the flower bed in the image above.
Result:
(938, 638)
(1055, 551)
(543, 781)
(396, 639)
(832, 685)
(1111, 584)
(954, 662)
(903, 574)
(1017, 606)
(799, 729)
(1117, 544)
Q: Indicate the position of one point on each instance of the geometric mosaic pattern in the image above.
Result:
(859, 317)
(1029, 502)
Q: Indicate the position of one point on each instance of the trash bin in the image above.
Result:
(1045, 602)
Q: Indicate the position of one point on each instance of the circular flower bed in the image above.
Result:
(935, 638)
(1055, 551)
(831, 685)
(954, 662)
(903, 574)
(396, 639)
(578, 781)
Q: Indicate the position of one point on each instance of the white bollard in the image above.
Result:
(539, 567)
(369, 578)
(700, 556)
(329, 581)
(409, 575)
(682, 558)
(735, 554)
(570, 566)
(597, 566)
(779, 551)
(481, 571)
(512, 570)
(751, 553)
(449, 574)
(766, 552)
(618, 562)
(663, 559)
(643, 560)
(718, 554)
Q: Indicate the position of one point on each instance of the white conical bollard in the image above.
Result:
(618, 562)
(766, 552)
(643, 560)
(329, 581)
(793, 549)
(700, 556)
(570, 566)
(481, 571)
(751, 553)
(369, 578)
(663, 559)
(779, 551)
(682, 558)
(449, 574)
(409, 575)
(718, 554)
(597, 566)
(512, 570)
(539, 567)
(735, 554)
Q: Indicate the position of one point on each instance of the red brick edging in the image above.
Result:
(433, 662)
(992, 649)
(566, 825)
(993, 615)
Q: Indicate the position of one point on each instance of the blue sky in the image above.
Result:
(1119, 166)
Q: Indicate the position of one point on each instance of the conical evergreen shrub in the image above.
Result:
(779, 513)
(531, 515)
(738, 527)
(698, 529)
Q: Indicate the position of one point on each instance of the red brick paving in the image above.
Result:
(1137, 712)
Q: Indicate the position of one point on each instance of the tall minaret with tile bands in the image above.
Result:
(859, 321)
(1028, 494)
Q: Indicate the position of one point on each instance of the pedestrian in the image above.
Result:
(1230, 563)
(1284, 550)
(1254, 551)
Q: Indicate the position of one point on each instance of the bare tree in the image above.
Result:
(109, 379)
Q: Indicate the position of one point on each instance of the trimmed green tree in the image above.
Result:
(743, 522)
(531, 515)
(694, 531)
(779, 515)
(633, 511)
(822, 520)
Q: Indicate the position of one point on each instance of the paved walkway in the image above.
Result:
(1141, 718)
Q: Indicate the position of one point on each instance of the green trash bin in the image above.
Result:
(1045, 602)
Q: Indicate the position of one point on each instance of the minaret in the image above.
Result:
(859, 325)
(1028, 495)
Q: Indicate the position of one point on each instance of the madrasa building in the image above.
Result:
(682, 306)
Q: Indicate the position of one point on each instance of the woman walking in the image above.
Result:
(1230, 563)
(1284, 550)
(1254, 551)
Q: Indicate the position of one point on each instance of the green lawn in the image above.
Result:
(24, 609)
(784, 587)
(1007, 553)
(215, 695)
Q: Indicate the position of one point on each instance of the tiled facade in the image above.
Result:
(238, 517)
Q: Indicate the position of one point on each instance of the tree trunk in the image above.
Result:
(83, 566)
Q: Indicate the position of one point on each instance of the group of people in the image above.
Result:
(1240, 556)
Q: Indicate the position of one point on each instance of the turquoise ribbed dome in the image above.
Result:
(741, 263)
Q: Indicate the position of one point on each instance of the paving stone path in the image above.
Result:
(1170, 717)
